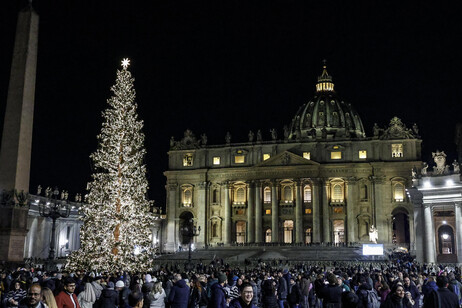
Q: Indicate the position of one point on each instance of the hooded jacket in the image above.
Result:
(179, 295)
(109, 299)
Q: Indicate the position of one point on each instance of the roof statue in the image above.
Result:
(440, 160)
(398, 130)
(189, 141)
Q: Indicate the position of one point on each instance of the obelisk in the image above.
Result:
(15, 150)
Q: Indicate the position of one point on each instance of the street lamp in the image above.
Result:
(54, 209)
(190, 231)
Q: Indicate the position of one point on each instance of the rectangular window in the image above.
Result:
(307, 155)
(268, 212)
(338, 210)
(266, 156)
(187, 160)
(216, 160)
(239, 159)
(335, 155)
(363, 154)
(397, 150)
(307, 211)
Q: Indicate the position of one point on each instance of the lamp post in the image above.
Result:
(54, 209)
(190, 231)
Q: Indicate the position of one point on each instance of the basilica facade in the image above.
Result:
(323, 181)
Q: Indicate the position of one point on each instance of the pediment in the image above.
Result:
(287, 158)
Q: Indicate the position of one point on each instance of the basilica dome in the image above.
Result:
(326, 116)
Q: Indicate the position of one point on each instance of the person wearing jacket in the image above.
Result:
(179, 295)
(397, 298)
(245, 298)
(429, 286)
(410, 287)
(443, 297)
(157, 296)
(218, 294)
(67, 298)
(109, 297)
(282, 290)
(331, 294)
(87, 297)
(15, 295)
(32, 300)
(294, 296)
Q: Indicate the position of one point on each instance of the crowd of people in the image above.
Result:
(397, 283)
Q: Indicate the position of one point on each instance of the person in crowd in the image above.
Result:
(305, 286)
(67, 298)
(397, 298)
(48, 282)
(245, 298)
(294, 295)
(48, 298)
(443, 297)
(135, 300)
(281, 290)
(198, 296)
(123, 293)
(383, 291)
(429, 286)
(97, 287)
(109, 297)
(15, 295)
(179, 295)
(157, 296)
(365, 291)
(410, 287)
(331, 294)
(455, 286)
(269, 292)
(33, 298)
(87, 297)
(218, 294)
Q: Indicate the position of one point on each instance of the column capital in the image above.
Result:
(458, 204)
(203, 185)
(316, 181)
(377, 179)
(171, 186)
(299, 182)
(351, 180)
(258, 183)
(250, 183)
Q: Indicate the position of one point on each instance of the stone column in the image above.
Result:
(250, 212)
(315, 200)
(202, 213)
(429, 235)
(274, 213)
(351, 210)
(326, 236)
(227, 221)
(298, 213)
(258, 213)
(417, 247)
(172, 229)
(378, 210)
(458, 241)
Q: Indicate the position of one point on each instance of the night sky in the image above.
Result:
(231, 66)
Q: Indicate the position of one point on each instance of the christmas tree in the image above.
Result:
(116, 233)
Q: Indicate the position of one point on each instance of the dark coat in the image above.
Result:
(447, 298)
(362, 294)
(268, 295)
(394, 301)
(109, 299)
(179, 295)
(282, 288)
(331, 296)
(218, 297)
(294, 295)
(238, 303)
(415, 294)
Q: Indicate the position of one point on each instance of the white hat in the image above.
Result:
(119, 284)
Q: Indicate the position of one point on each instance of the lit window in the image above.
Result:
(187, 160)
(398, 192)
(307, 155)
(239, 159)
(268, 236)
(336, 147)
(307, 211)
(337, 192)
(335, 155)
(216, 160)
(363, 154)
(338, 210)
(187, 197)
(266, 156)
(267, 194)
(240, 195)
(287, 193)
(397, 150)
(307, 193)
(268, 212)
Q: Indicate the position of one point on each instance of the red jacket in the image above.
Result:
(64, 300)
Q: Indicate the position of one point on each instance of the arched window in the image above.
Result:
(267, 194)
(240, 232)
(288, 230)
(307, 193)
(287, 193)
(215, 196)
(268, 236)
(308, 236)
(337, 192)
(363, 192)
(398, 192)
(215, 229)
(240, 194)
(187, 196)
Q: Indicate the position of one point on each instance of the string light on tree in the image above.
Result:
(116, 218)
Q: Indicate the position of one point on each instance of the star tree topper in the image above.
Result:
(125, 63)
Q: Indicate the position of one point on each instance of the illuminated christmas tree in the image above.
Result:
(116, 233)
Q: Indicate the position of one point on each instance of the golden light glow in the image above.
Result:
(239, 159)
(335, 155)
(125, 63)
(268, 212)
(363, 154)
(307, 155)
(338, 210)
(266, 156)
(397, 150)
(187, 160)
(216, 160)
(308, 211)
(335, 147)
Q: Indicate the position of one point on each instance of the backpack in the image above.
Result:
(373, 300)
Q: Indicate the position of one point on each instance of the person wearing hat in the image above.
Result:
(331, 294)
(124, 292)
(67, 298)
(109, 297)
(218, 298)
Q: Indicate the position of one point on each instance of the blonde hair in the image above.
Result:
(157, 287)
(48, 298)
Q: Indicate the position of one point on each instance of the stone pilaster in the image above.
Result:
(429, 234)
(299, 213)
(326, 235)
(258, 213)
(250, 212)
(227, 221)
(458, 242)
(202, 205)
(274, 213)
(351, 210)
(172, 227)
(316, 201)
(379, 208)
